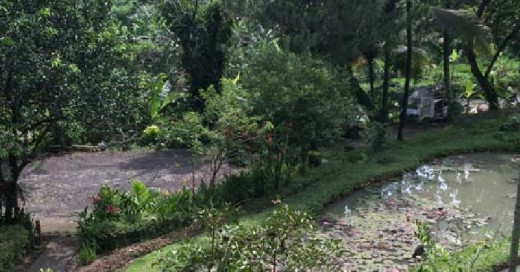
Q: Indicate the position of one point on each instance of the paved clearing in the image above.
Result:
(57, 187)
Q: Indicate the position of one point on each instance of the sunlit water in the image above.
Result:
(465, 197)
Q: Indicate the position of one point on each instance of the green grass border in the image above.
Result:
(346, 172)
(14, 242)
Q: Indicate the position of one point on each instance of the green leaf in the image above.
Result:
(454, 56)
(466, 26)
(44, 12)
(6, 42)
(469, 88)
(155, 95)
(55, 61)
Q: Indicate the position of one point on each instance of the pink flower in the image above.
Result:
(111, 209)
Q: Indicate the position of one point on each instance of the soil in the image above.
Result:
(58, 187)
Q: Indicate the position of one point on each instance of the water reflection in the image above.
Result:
(480, 182)
(465, 198)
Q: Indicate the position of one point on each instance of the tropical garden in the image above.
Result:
(333, 135)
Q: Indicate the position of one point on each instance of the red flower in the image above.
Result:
(111, 209)
(269, 138)
(95, 199)
(228, 132)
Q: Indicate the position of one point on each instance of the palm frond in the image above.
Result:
(419, 59)
(467, 27)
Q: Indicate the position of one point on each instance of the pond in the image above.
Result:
(462, 198)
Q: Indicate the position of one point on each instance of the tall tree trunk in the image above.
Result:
(483, 78)
(371, 75)
(361, 96)
(513, 254)
(483, 82)
(12, 210)
(446, 48)
(386, 84)
(404, 103)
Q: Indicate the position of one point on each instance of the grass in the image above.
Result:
(14, 240)
(346, 172)
(479, 257)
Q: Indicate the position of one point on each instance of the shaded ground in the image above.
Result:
(57, 187)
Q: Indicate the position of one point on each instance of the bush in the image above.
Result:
(119, 219)
(86, 254)
(14, 241)
(150, 134)
(314, 158)
(277, 243)
(307, 101)
(512, 123)
(375, 135)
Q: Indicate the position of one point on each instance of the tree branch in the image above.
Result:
(39, 123)
(501, 48)
(39, 140)
(482, 7)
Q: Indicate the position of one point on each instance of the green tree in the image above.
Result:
(203, 30)
(304, 98)
(499, 19)
(58, 61)
(339, 31)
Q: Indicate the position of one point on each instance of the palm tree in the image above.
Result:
(476, 37)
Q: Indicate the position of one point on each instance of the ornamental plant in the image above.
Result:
(307, 101)
(277, 244)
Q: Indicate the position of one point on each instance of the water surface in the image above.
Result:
(463, 199)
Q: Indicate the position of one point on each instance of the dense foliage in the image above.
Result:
(65, 72)
(278, 244)
(262, 85)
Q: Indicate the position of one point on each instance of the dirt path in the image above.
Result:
(57, 187)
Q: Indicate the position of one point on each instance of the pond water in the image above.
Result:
(462, 198)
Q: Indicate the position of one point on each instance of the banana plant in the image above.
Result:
(162, 95)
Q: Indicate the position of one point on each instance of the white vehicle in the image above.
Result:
(426, 103)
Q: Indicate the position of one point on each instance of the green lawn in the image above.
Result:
(346, 171)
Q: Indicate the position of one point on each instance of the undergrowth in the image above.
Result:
(346, 172)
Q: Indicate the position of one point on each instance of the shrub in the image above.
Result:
(119, 219)
(307, 102)
(511, 124)
(375, 135)
(275, 244)
(14, 241)
(86, 254)
(315, 158)
(150, 134)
